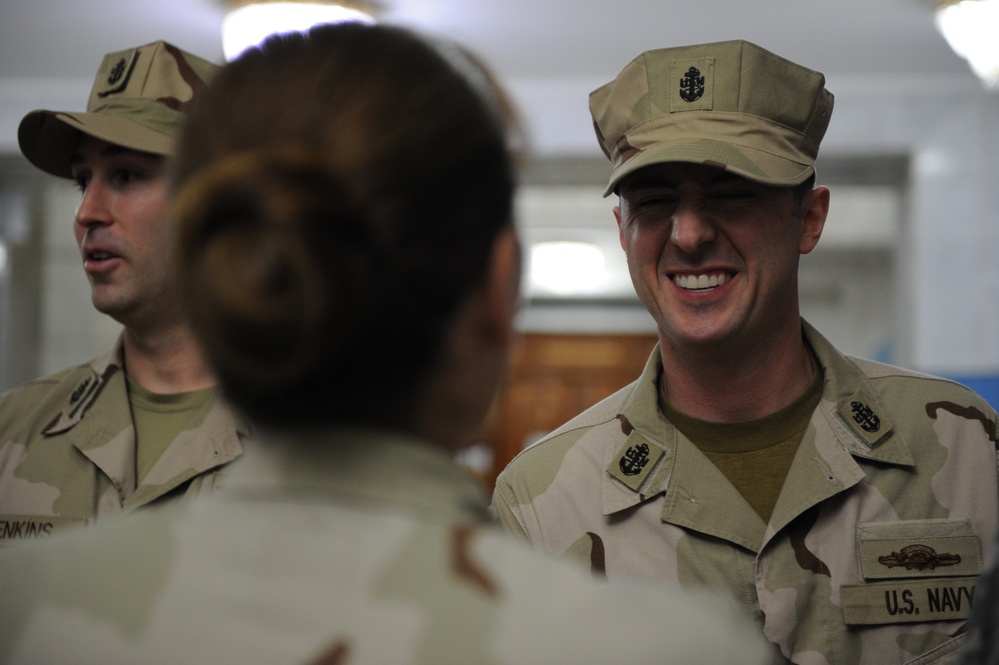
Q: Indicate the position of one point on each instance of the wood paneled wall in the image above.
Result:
(553, 378)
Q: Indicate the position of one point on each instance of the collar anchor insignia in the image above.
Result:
(864, 416)
(634, 460)
(79, 391)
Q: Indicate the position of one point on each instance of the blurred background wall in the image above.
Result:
(905, 272)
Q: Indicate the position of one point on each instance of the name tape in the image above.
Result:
(908, 601)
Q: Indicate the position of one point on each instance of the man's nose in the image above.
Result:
(691, 227)
(94, 206)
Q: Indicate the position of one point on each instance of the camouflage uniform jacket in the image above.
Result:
(874, 544)
(348, 547)
(67, 451)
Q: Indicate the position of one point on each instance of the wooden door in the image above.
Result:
(555, 377)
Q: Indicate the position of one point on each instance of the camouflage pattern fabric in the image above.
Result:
(138, 101)
(732, 105)
(350, 547)
(871, 554)
(982, 645)
(67, 452)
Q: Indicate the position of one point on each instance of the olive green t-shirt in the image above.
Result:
(755, 455)
(159, 418)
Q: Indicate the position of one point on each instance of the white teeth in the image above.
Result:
(696, 282)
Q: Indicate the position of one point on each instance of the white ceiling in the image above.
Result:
(520, 38)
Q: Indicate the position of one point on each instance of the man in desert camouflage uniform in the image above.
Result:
(845, 504)
(142, 422)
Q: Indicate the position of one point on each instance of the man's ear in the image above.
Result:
(620, 233)
(815, 207)
(501, 288)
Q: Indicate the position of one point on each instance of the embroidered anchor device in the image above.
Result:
(859, 412)
(692, 85)
(116, 75)
(731, 105)
(865, 417)
(634, 460)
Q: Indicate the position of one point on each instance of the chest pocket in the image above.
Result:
(914, 571)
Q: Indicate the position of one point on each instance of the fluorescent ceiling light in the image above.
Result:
(971, 28)
(249, 23)
(568, 268)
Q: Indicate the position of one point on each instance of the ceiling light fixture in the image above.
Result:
(249, 22)
(971, 28)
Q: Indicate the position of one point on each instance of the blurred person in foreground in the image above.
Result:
(982, 644)
(346, 250)
(844, 504)
(141, 423)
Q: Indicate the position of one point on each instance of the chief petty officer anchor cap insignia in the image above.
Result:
(137, 101)
(732, 105)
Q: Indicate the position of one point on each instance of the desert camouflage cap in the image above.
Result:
(138, 101)
(728, 104)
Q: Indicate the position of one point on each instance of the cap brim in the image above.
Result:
(49, 138)
(748, 162)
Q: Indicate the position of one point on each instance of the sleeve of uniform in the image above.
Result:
(507, 509)
(529, 477)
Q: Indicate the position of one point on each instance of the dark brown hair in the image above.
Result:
(338, 194)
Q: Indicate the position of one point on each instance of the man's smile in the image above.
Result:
(701, 282)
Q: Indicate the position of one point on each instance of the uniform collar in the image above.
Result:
(101, 429)
(359, 465)
(95, 377)
(862, 425)
(92, 379)
(849, 423)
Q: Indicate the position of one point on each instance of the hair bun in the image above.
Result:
(269, 239)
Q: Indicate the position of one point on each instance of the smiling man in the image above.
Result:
(846, 505)
(142, 423)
